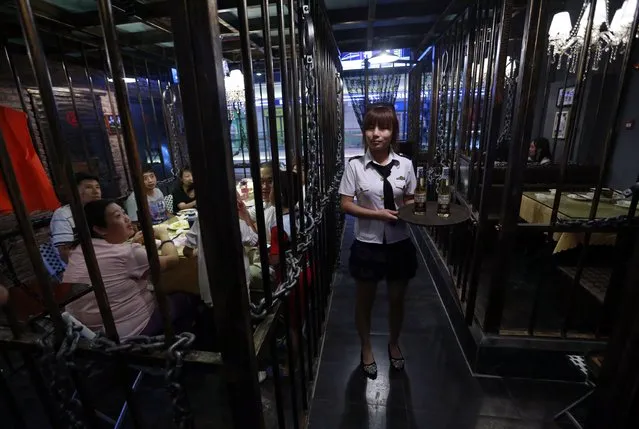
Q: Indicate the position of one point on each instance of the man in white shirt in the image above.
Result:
(62, 227)
(155, 197)
(192, 249)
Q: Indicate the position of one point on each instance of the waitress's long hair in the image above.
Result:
(385, 117)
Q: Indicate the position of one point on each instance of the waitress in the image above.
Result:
(373, 187)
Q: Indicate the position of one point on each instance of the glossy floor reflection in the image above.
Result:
(436, 391)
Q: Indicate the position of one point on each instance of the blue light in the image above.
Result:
(174, 74)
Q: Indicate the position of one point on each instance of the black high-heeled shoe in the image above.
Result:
(396, 363)
(369, 369)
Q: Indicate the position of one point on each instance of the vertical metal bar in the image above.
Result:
(434, 106)
(286, 97)
(531, 53)
(297, 189)
(158, 134)
(41, 71)
(23, 104)
(310, 297)
(118, 129)
(145, 128)
(99, 120)
(264, 134)
(121, 94)
(493, 131)
(199, 55)
(571, 125)
(254, 146)
(272, 117)
(74, 106)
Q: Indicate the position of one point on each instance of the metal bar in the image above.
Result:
(254, 146)
(571, 124)
(297, 187)
(493, 131)
(263, 121)
(158, 134)
(23, 104)
(74, 106)
(531, 53)
(145, 128)
(277, 383)
(41, 72)
(99, 120)
(310, 308)
(118, 129)
(272, 117)
(116, 66)
(434, 106)
(199, 54)
(286, 97)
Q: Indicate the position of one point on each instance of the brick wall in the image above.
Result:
(91, 147)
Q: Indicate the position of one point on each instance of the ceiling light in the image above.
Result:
(125, 79)
(383, 57)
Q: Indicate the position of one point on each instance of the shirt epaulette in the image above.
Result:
(355, 157)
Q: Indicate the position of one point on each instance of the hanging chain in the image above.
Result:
(174, 355)
(178, 154)
(54, 367)
(316, 204)
(434, 170)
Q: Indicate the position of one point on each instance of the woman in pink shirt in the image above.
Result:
(124, 267)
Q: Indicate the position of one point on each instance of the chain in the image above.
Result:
(435, 169)
(612, 222)
(506, 132)
(54, 365)
(182, 416)
(178, 154)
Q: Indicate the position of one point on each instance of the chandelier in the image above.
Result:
(234, 87)
(567, 42)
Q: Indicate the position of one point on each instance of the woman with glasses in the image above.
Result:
(373, 187)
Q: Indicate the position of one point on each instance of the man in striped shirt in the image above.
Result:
(62, 227)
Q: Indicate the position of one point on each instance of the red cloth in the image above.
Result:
(275, 251)
(35, 187)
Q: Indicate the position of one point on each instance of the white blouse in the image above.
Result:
(362, 181)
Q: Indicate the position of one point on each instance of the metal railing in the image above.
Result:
(309, 67)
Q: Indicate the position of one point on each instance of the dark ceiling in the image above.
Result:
(144, 26)
(361, 25)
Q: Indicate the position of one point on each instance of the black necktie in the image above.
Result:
(389, 198)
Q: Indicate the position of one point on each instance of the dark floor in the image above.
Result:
(436, 391)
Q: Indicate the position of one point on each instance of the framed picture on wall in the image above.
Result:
(562, 119)
(568, 98)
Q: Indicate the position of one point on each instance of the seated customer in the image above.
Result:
(193, 249)
(62, 227)
(124, 268)
(155, 197)
(539, 151)
(183, 195)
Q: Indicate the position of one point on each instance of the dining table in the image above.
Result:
(536, 207)
(183, 276)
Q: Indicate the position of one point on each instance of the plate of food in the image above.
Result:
(187, 212)
(178, 225)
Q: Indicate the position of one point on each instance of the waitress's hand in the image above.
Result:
(387, 215)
